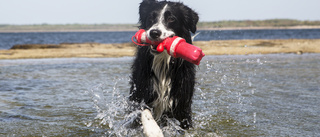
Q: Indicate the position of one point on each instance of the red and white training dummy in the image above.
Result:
(176, 47)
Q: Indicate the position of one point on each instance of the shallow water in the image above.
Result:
(255, 95)
(7, 40)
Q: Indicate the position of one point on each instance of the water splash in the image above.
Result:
(221, 100)
(223, 94)
(112, 108)
(111, 105)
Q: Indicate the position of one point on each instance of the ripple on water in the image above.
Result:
(256, 95)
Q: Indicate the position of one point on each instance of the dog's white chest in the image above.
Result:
(162, 84)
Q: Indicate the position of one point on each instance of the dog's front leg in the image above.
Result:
(150, 126)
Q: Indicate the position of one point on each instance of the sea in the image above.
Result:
(7, 40)
(235, 95)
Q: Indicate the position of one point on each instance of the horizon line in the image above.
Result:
(138, 22)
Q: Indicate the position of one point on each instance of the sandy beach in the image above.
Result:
(215, 47)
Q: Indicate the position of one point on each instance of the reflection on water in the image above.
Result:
(256, 95)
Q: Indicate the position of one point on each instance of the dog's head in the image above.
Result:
(166, 19)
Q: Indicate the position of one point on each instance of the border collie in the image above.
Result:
(163, 83)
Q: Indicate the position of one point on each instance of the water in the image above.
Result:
(7, 40)
(259, 34)
(255, 95)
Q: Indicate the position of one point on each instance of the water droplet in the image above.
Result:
(254, 117)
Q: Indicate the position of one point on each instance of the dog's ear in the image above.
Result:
(144, 9)
(191, 19)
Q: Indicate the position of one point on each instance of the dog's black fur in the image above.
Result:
(178, 74)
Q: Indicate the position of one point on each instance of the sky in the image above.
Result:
(21, 12)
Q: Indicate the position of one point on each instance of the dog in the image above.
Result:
(163, 83)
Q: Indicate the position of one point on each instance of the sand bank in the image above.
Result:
(215, 47)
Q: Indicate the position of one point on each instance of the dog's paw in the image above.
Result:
(150, 126)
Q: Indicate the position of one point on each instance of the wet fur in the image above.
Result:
(165, 84)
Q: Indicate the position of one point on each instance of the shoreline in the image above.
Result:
(135, 29)
(214, 47)
(262, 28)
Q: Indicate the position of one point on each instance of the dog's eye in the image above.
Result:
(150, 20)
(171, 19)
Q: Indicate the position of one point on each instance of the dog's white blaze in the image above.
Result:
(165, 33)
(162, 84)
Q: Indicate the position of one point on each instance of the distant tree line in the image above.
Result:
(258, 23)
(124, 27)
(68, 27)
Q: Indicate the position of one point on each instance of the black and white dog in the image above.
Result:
(165, 84)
